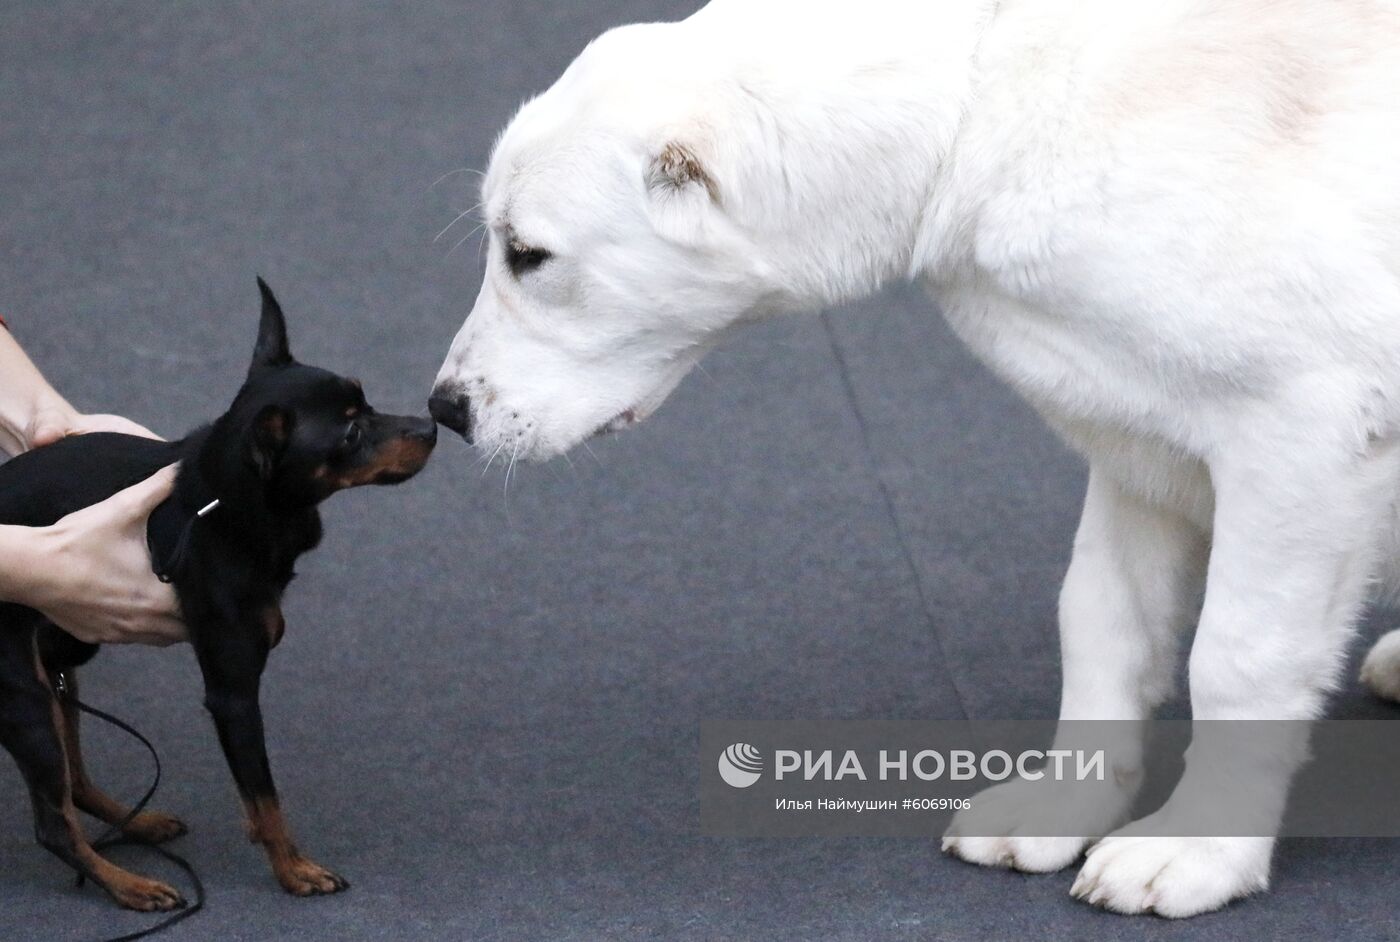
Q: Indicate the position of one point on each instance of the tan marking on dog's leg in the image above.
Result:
(274, 625)
(297, 874)
(128, 889)
(149, 827)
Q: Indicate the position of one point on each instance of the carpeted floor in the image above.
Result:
(486, 710)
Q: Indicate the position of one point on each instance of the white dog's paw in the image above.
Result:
(1001, 827)
(1027, 854)
(1172, 876)
(1381, 669)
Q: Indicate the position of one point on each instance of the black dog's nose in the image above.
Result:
(425, 430)
(454, 411)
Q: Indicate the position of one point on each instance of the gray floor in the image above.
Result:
(487, 708)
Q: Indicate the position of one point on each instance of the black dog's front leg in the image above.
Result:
(233, 662)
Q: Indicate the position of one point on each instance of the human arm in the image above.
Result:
(90, 573)
(33, 414)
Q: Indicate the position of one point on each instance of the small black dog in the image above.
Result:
(294, 436)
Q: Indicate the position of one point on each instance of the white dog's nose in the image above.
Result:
(453, 409)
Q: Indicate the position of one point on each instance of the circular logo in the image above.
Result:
(740, 765)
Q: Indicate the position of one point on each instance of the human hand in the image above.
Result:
(53, 422)
(93, 576)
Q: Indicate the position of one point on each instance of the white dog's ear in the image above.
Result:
(676, 169)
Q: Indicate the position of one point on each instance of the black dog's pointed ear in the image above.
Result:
(272, 429)
(272, 349)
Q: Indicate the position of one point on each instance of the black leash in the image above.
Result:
(114, 836)
(176, 561)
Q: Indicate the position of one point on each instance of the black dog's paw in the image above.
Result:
(155, 827)
(143, 895)
(302, 877)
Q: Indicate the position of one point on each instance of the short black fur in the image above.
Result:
(294, 435)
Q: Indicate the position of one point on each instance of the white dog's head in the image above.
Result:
(612, 267)
(666, 188)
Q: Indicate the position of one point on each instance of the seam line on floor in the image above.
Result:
(887, 495)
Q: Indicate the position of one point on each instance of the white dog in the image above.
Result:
(1173, 226)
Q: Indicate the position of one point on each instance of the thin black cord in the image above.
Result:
(114, 836)
(176, 562)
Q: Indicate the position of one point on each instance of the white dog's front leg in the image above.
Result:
(1294, 537)
(1133, 585)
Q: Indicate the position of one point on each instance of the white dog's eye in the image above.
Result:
(522, 258)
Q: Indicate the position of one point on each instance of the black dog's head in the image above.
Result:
(307, 433)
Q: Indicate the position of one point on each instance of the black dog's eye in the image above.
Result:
(352, 437)
(523, 258)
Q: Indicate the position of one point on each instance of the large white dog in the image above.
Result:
(1174, 226)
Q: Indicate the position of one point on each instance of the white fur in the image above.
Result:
(1173, 226)
(1381, 670)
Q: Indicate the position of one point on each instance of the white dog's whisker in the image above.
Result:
(460, 216)
(479, 226)
(505, 488)
(492, 458)
(480, 248)
(452, 173)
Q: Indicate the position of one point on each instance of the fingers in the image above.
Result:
(165, 620)
(139, 500)
(143, 432)
(111, 423)
(167, 629)
(100, 586)
(46, 433)
(53, 424)
(154, 620)
(158, 633)
(51, 420)
(151, 632)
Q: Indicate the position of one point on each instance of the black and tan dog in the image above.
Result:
(294, 436)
